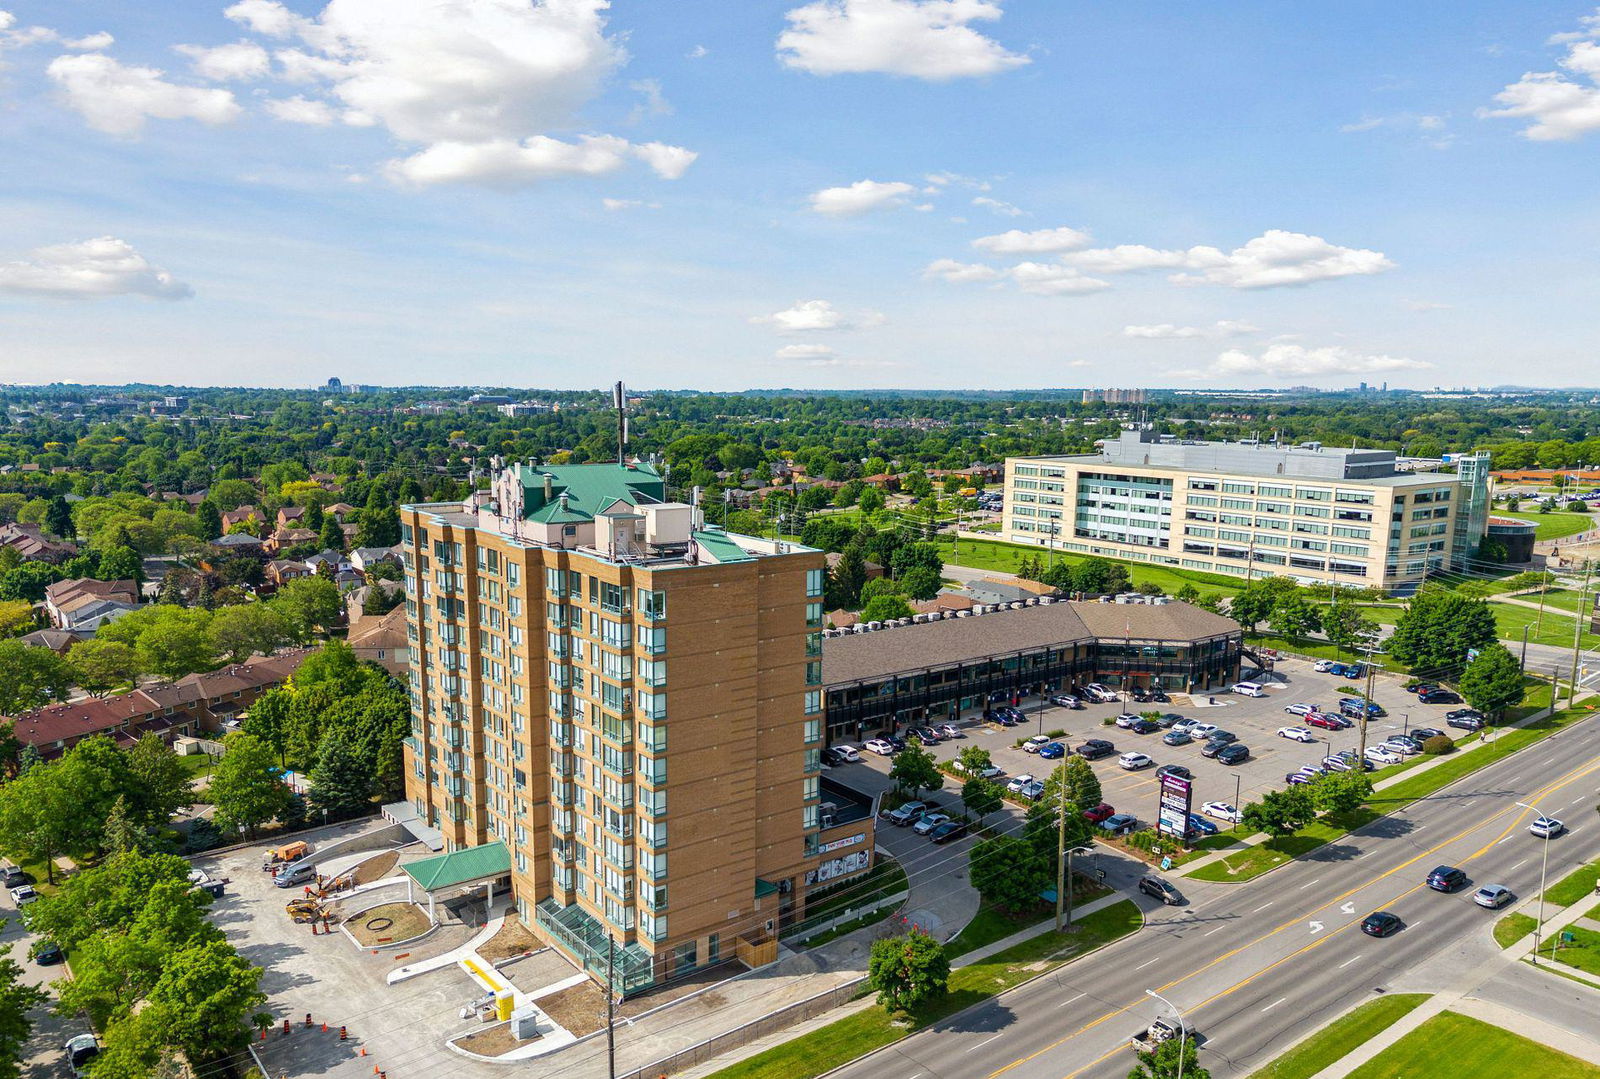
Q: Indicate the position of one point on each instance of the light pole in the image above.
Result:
(1236, 790)
(1544, 864)
(1405, 723)
(1183, 1028)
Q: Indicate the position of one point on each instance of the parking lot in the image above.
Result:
(1255, 720)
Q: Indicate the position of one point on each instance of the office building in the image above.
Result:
(631, 702)
(1248, 508)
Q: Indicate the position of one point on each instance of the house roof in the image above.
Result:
(460, 867)
(587, 490)
(387, 631)
(236, 539)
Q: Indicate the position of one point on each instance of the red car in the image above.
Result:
(1327, 723)
(1099, 813)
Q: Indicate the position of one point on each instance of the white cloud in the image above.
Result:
(860, 197)
(241, 61)
(1560, 108)
(1280, 362)
(1041, 242)
(1077, 363)
(1052, 279)
(1432, 128)
(805, 352)
(302, 110)
(616, 205)
(12, 38)
(105, 266)
(1005, 209)
(509, 163)
(1168, 331)
(90, 42)
(959, 272)
(809, 316)
(118, 99)
(924, 39)
(265, 17)
(1127, 258)
(699, 52)
(1277, 258)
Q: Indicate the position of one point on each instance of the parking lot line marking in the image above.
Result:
(1308, 884)
(1064, 1003)
(1147, 962)
(1262, 907)
(1274, 1004)
(1519, 865)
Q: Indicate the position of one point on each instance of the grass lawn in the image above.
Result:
(196, 765)
(1583, 953)
(1006, 557)
(1466, 1048)
(843, 1041)
(990, 925)
(1254, 860)
(1579, 884)
(1555, 628)
(1512, 928)
(1564, 599)
(1555, 524)
(1341, 1037)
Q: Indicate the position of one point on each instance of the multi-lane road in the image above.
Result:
(1255, 966)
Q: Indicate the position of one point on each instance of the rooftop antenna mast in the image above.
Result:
(619, 399)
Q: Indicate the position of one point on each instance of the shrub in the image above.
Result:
(1058, 733)
(1438, 745)
(1351, 691)
(1108, 721)
(203, 835)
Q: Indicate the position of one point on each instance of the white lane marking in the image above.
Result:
(985, 1042)
(1519, 865)
(1347, 908)
(1347, 962)
(1316, 927)
(1579, 798)
(1147, 962)
(1507, 839)
(1513, 779)
(1263, 907)
(1274, 1004)
(1064, 1003)
(1218, 929)
(1308, 884)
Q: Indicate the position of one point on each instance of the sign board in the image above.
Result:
(839, 867)
(1172, 815)
(847, 841)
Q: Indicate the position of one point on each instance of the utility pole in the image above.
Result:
(1366, 705)
(1577, 635)
(1522, 664)
(611, 1006)
(1061, 845)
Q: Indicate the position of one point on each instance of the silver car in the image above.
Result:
(1492, 896)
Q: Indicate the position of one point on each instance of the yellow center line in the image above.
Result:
(1554, 786)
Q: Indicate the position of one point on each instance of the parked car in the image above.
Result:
(929, 822)
(1446, 878)
(1100, 694)
(1198, 824)
(1066, 700)
(1138, 693)
(1212, 749)
(1132, 762)
(1157, 695)
(1233, 753)
(13, 875)
(1036, 743)
(1403, 746)
(1033, 791)
(927, 736)
(1380, 923)
(1169, 720)
(23, 894)
(1546, 827)
(1176, 738)
(1422, 734)
(47, 953)
(908, 813)
(1439, 696)
(990, 772)
(1120, 823)
(1294, 779)
(80, 1050)
(1296, 734)
(1174, 770)
(1459, 713)
(1300, 709)
(1326, 721)
(847, 754)
(1052, 751)
(1223, 811)
(879, 746)
(950, 730)
(1015, 715)
(1466, 723)
(1184, 726)
(1094, 748)
(1144, 726)
(1154, 886)
(1127, 719)
(1351, 706)
(1018, 782)
(1250, 689)
(950, 829)
(295, 873)
(1492, 896)
(1101, 812)
(1198, 731)
(1323, 666)
(1380, 755)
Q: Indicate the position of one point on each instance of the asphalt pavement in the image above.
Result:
(1255, 966)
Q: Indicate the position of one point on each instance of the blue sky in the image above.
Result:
(811, 193)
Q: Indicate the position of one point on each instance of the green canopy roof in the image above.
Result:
(460, 867)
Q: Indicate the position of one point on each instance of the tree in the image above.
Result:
(342, 781)
(170, 641)
(331, 536)
(981, 797)
(1438, 629)
(914, 770)
(16, 616)
(1341, 792)
(246, 788)
(40, 816)
(100, 666)
(58, 518)
(920, 582)
(28, 581)
(17, 999)
(1188, 593)
(1009, 872)
(161, 784)
(1170, 1059)
(209, 519)
(1493, 681)
(1494, 549)
(380, 521)
(871, 500)
(1100, 576)
(211, 998)
(306, 604)
(1294, 617)
(121, 564)
(913, 556)
(1344, 625)
(121, 833)
(30, 677)
(886, 608)
(974, 760)
(908, 970)
(1280, 813)
(1255, 603)
(240, 631)
(1076, 777)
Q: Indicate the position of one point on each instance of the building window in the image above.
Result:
(813, 701)
(652, 605)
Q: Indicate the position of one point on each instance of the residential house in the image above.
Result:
(238, 543)
(356, 599)
(291, 517)
(285, 538)
(239, 516)
(382, 639)
(340, 510)
(83, 603)
(364, 558)
(280, 571)
(33, 545)
(57, 640)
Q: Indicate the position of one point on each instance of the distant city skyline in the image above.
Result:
(838, 194)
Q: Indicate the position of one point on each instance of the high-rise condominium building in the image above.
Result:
(1249, 508)
(631, 702)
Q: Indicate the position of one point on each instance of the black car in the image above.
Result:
(1422, 734)
(1446, 878)
(1094, 748)
(1222, 737)
(1212, 749)
(1158, 696)
(925, 737)
(1459, 712)
(1144, 726)
(1380, 923)
(1173, 770)
(832, 756)
(1138, 694)
(47, 953)
(1160, 889)
(1233, 753)
(1439, 696)
(950, 829)
(1169, 720)
(1466, 723)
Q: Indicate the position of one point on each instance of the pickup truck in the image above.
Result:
(1147, 1040)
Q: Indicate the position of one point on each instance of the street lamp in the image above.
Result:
(1183, 1028)
(1405, 723)
(1544, 864)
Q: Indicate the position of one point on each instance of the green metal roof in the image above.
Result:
(765, 888)
(721, 548)
(589, 489)
(460, 867)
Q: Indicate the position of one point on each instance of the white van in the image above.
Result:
(1249, 689)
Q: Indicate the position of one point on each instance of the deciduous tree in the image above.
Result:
(1439, 628)
(914, 770)
(1493, 681)
(908, 970)
(1010, 873)
(246, 787)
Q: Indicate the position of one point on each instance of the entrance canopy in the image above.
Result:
(475, 865)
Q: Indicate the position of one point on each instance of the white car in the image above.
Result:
(929, 822)
(1034, 744)
(1018, 782)
(1379, 755)
(1126, 720)
(1222, 811)
(1132, 762)
(23, 894)
(879, 746)
(1403, 746)
(848, 753)
(1542, 826)
(1300, 709)
(1184, 726)
(990, 772)
(1197, 731)
(1323, 666)
(1099, 693)
(950, 730)
(1296, 734)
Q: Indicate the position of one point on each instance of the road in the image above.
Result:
(1254, 966)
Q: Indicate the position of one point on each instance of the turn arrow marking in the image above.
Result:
(1316, 927)
(1348, 908)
